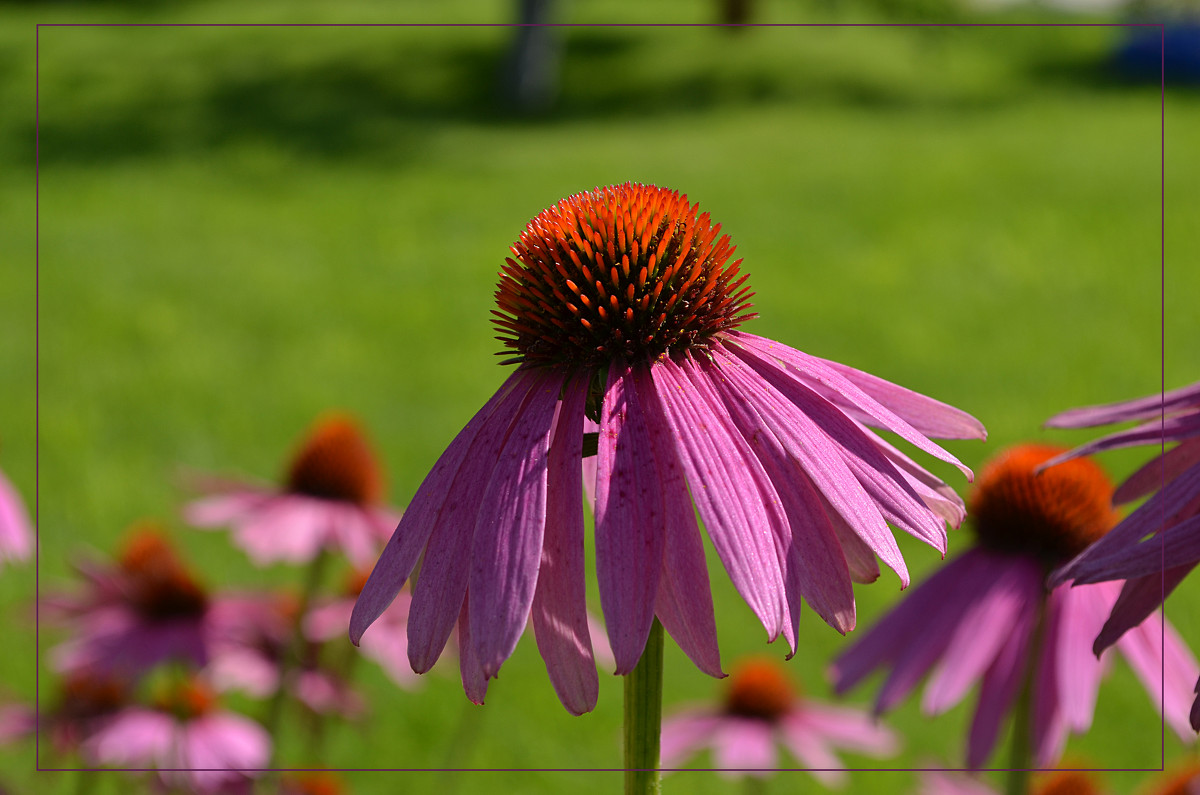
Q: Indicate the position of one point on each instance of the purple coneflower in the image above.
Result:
(330, 499)
(761, 710)
(987, 615)
(1151, 563)
(193, 744)
(621, 306)
(16, 531)
(145, 610)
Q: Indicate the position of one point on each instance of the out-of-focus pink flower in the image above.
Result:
(1157, 546)
(258, 633)
(16, 531)
(193, 744)
(330, 500)
(622, 304)
(986, 616)
(145, 610)
(760, 711)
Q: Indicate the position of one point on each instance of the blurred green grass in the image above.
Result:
(241, 227)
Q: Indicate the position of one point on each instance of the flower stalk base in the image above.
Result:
(643, 718)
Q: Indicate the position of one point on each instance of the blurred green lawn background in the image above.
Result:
(241, 227)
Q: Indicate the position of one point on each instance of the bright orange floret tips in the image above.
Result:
(758, 689)
(186, 699)
(1053, 514)
(1068, 782)
(627, 271)
(335, 463)
(159, 585)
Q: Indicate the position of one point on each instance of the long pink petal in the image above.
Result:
(937, 495)
(685, 734)
(724, 477)
(509, 529)
(816, 370)
(630, 519)
(937, 603)
(980, 633)
(931, 417)
(843, 727)
(559, 609)
(1048, 724)
(16, 531)
(433, 500)
(876, 474)
(221, 509)
(684, 599)
(446, 566)
(743, 744)
(1155, 431)
(1123, 411)
(1178, 546)
(814, 564)
(811, 748)
(1158, 471)
(999, 687)
(1083, 611)
(474, 680)
(1139, 598)
(1166, 669)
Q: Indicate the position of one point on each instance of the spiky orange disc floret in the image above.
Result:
(159, 586)
(758, 689)
(185, 698)
(1067, 782)
(335, 463)
(1053, 514)
(626, 271)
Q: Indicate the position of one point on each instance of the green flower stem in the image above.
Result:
(295, 647)
(643, 718)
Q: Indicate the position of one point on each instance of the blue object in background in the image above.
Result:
(1141, 55)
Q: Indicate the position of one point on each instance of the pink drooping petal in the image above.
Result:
(723, 475)
(1158, 471)
(744, 744)
(559, 610)
(814, 370)
(16, 531)
(1155, 431)
(510, 528)
(290, 528)
(820, 458)
(841, 436)
(1178, 546)
(683, 735)
(1144, 521)
(446, 566)
(684, 600)
(846, 728)
(860, 559)
(982, 630)
(630, 518)
(812, 749)
(1166, 668)
(433, 500)
(1048, 726)
(934, 782)
(931, 417)
(814, 565)
(1081, 614)
(935, 605)
(222, 509)
(474, 680)
(134, 737)
(356, 533)
(999, 688)
(224, 741)
(1139, 598)
(1123, 411)
(937, 495)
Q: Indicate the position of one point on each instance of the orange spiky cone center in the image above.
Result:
(314, 783)
(159, 586)
(86, 695)
(758, 689)
(336, 463)
(1053, 514)
(628, 271)
(1184, 781)
(1067, 782)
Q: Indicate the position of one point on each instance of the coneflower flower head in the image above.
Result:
(330, 499)
(988, 616)
(157, 583)
(621, 306)
(1050, 515)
